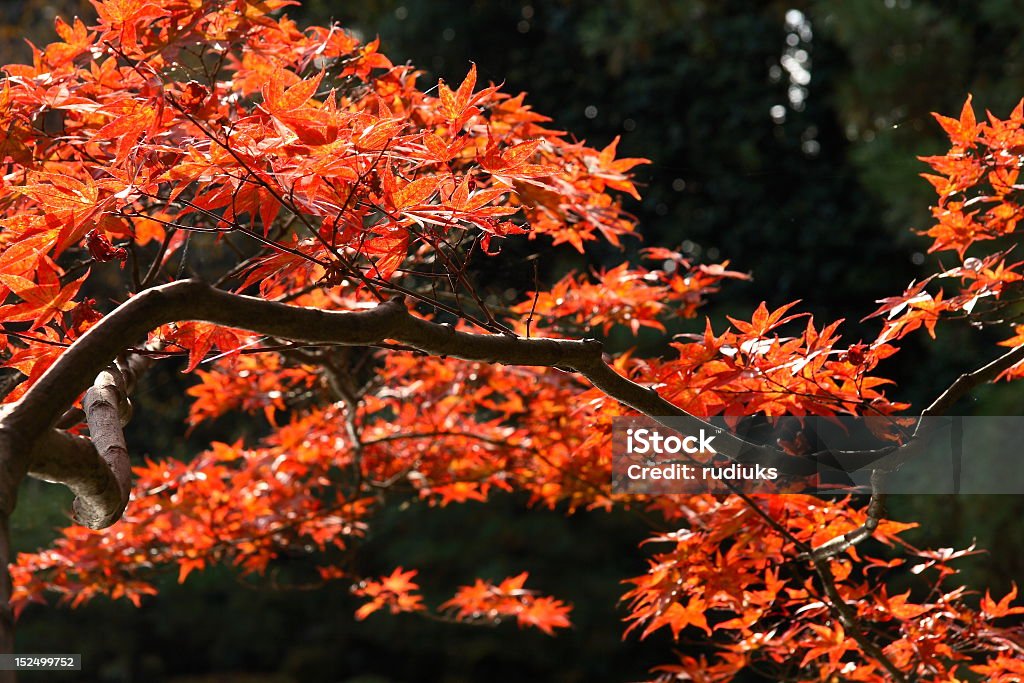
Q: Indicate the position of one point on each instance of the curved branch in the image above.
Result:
(894, 459)
(72, 460)
(45, 402)
(107, 411)
(967, 381)
(74, 371)
(85, 361)
(96, 469)
(842, 543)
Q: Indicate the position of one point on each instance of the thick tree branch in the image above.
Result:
(72, 373)
(101, 487)
(82, 363)
(107, 411)
(96, 469)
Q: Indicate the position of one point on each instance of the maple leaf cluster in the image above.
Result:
(626, 295)
(489, 602)
(726, 574)
(304, 167)
(483, 602)
(976, 215)
(394, 592)
(213, 118)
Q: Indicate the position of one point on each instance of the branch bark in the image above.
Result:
(44, 404)
(96, 469)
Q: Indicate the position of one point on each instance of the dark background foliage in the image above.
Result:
(783, 137)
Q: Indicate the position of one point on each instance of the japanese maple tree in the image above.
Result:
(345, 210)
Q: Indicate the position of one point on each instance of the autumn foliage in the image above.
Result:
(309, 169)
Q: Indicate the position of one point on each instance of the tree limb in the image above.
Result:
(964, 383)
(44, 403)
(99, 486)
(892, 461)
(107, 411)
(96, 469)
(74, 371)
